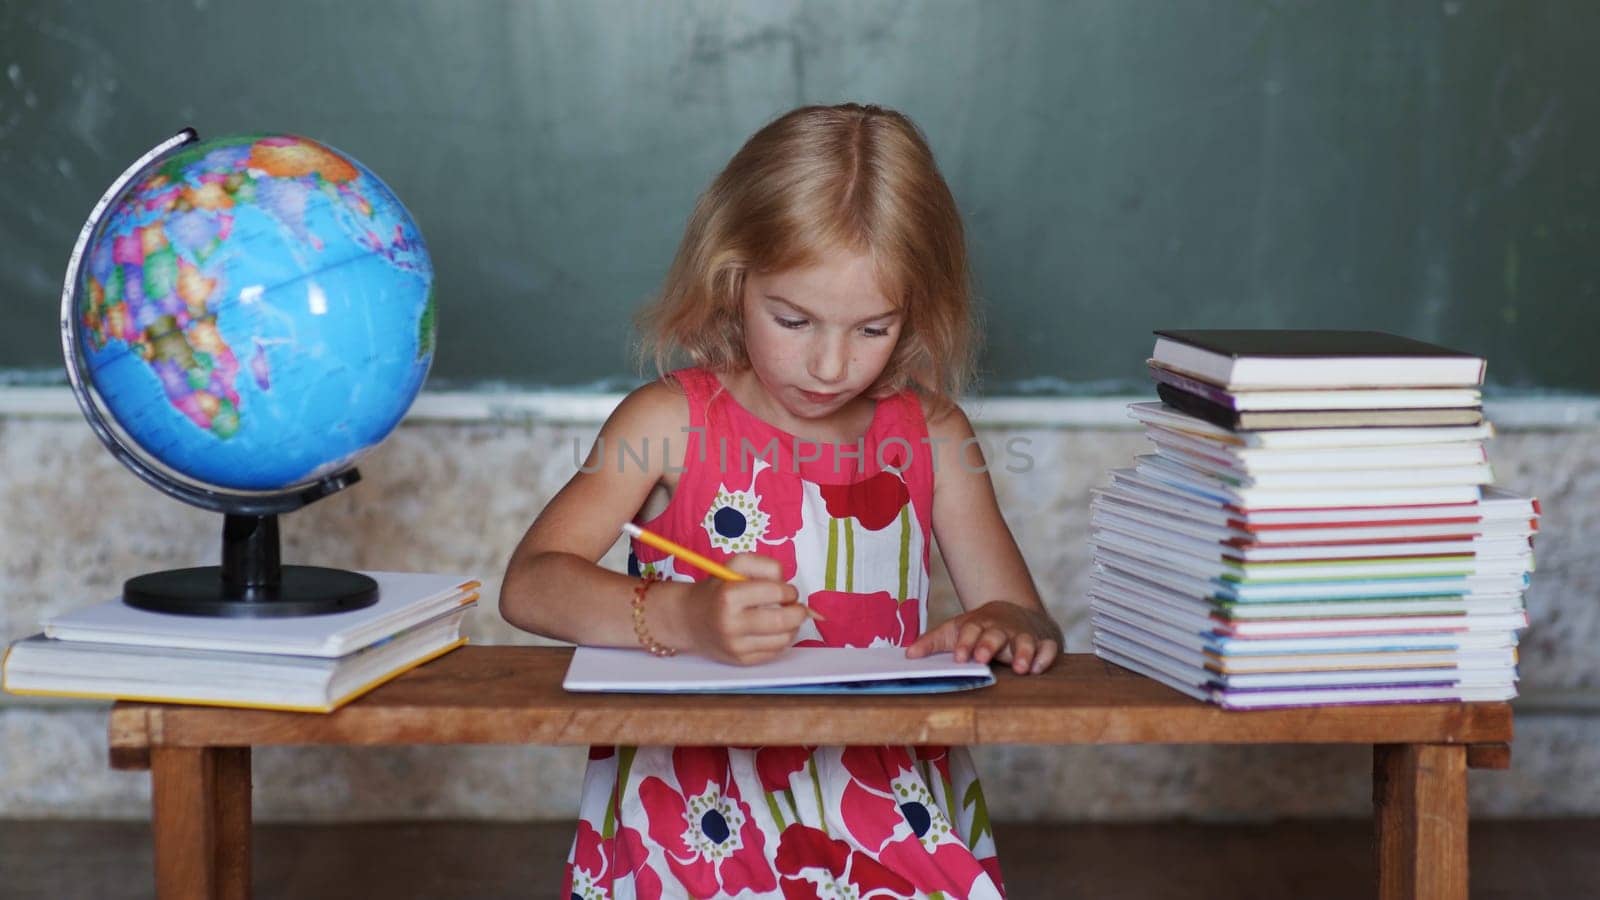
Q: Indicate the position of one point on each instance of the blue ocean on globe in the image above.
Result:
(256, 312)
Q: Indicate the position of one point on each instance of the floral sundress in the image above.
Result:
(850, 524)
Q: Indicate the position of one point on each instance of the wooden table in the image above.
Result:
(199, 757)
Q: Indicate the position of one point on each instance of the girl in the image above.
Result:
(821, 290)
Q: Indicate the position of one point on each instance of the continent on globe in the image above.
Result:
(271, 253)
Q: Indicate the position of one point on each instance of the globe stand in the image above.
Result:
(251, 582)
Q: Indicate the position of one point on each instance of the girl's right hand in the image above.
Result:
(744, 622)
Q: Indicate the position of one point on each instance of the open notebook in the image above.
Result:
(800, 670)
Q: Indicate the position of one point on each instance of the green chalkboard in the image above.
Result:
(1430, 168)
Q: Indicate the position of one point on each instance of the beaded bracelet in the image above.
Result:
(639, 628)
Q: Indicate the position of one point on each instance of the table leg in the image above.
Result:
(1419, 794)
(200, 802)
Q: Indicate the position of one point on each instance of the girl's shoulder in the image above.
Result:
(950, 435)
(942, 416)
(939, 417)
(655, 410)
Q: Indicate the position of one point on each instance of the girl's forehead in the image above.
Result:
(838, 280)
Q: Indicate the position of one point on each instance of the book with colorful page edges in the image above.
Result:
(1318, 524)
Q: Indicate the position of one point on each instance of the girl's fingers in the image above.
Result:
(756, 654)
(990, 643)
(938, 640)
(1023, 649)
(966, 639)
(751, 565)
(749, 595)
(765, 643)
(1048, 651)
(782, 620)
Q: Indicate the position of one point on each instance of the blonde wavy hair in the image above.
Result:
(821, 179)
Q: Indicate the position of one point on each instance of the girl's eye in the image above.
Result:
(789, 323)
(876, 332)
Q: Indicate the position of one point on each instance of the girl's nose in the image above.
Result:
(830, 359)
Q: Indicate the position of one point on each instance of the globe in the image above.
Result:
(255, 311)
(242, 318)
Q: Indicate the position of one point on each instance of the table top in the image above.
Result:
(513, 695)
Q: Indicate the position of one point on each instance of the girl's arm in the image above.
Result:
(553, 587)
(1005, 619)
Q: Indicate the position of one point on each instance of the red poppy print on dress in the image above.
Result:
(939, 756)
(776, 764)
(874, 502)
(762, 518)
(813, 866)
(888, 809)
(863, 620)
(712, 842)
(598, 862)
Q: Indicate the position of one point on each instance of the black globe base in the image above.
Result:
(251, 582)
(301, 591)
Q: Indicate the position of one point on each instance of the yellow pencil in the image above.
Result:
(679, 551)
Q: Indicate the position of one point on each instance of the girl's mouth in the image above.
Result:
(819, 398)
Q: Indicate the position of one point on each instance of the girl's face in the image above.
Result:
(818, 336)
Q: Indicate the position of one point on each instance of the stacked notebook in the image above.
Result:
(1317, 525)
(306, 663)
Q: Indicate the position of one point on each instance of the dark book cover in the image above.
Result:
(1219, 414)
(1199, 388)
(1289, 342)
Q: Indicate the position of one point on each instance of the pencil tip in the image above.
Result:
(630, 529)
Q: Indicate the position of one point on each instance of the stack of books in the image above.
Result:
(305, 663)
(1317, 525)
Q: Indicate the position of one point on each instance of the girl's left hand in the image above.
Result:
(1028, 639)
